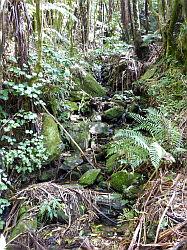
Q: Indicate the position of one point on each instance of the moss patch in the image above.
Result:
(122, 179)
(89, 177)
(114, 113)
(165, 84)
(52, 139)
(86, 82)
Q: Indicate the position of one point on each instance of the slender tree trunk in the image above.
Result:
(146, 17)
(170, 47)
(136, 31)
(125, 19)
(184, 5)
(39, 26)
(1, 42)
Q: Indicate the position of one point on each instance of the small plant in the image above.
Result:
(127, 215)
(52, 209)
(3, 202)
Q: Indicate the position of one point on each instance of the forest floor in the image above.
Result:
(92, 217)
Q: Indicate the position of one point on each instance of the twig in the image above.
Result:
(182, 243)
(135, 236)
(162, 217)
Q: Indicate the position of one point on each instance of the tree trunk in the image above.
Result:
(136, 31)
(170, 46)
(39, 25)
(1, 42)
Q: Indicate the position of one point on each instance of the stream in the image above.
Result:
(92, 212)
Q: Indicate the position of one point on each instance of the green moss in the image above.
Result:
(86, 82)
(89, 177)
(114, 113)
(73, 106)
(149, 73)
(23, 226)
(167, 86)
(122, 179)
(52, 139)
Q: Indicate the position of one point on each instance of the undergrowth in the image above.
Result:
(154, 138)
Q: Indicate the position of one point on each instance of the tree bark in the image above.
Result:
(39, 25)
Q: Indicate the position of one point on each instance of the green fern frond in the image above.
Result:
(136, 136)
(159, 127)
(135, 147)
(156, 153)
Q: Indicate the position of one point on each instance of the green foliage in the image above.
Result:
(127, 215)
(147, 141)
(50, 209)
(22, 149)
(112, 46)
(3, 202)
(25, 156)
(167, 85)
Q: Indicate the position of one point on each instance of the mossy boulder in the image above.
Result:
(149, 73)
(85, 81)
(52, 138)
(24, 226)
(122, 180)
(71, 162)
(99, 128)
(25, 223)
(89, 177)
(113, 113)
(72, 106)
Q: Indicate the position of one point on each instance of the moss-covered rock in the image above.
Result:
(123, 179)
(89, 177)
(71, 162)
(114, 113)
(24, 224)
(99, 128)
(73, 106)
(84, 80)
(52, 138)
(149, 73)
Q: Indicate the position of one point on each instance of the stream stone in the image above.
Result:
(80, 133)
(71, 162)
(113, 113)
(89, 177)
(98, 128)
(52, 138)
(83, 168)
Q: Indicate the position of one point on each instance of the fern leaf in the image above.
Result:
(156, 153)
